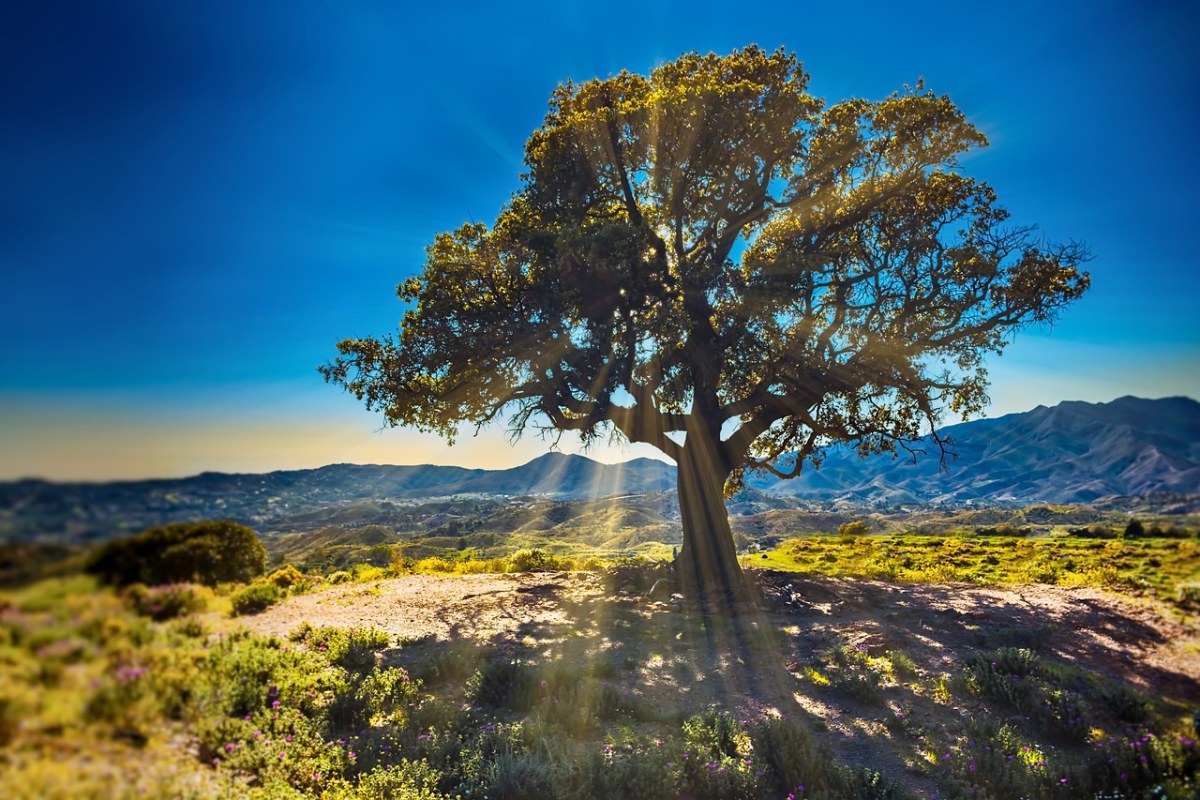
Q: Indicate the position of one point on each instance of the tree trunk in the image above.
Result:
(707, 567)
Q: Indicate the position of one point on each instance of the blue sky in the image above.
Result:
(197, 200)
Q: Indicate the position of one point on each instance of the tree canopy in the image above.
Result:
(712, 261)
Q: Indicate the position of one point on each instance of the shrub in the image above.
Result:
(207, 552)
(505, 684)
(536, 560)
(858, 527)
(408, 780)
(256, 597)
(286, 577)
(164, 602)
(353, 648)
(341, 576)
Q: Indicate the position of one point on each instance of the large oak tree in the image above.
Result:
(712, 261)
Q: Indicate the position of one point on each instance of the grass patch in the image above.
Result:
(1167, 567)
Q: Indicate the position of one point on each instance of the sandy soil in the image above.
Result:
(432, 606)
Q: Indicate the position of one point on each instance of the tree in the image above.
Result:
(208, 552)
(714, 262)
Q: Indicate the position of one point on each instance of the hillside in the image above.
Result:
(1074, 452)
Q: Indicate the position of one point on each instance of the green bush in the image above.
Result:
(408, 780)
(505, 684)
(858, 527)
(286, 577)
(208, 552)
(353, 648)
(256, 597)
(536, 560)
(164, 602)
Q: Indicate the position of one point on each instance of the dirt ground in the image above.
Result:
(1128, 638)
(678, 663)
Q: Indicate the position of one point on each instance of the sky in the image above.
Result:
(198, 200)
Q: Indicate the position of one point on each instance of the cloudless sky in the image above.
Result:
(197, 200)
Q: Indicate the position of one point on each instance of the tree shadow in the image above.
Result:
(657, 664)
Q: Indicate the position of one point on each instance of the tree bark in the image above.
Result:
(707, 568)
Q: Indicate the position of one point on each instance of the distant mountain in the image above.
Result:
(1074, 452)
(83, 511)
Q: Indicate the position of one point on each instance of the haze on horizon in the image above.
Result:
(199, 206)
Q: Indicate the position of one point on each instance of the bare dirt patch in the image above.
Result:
(1126, 638)
(763, 666)
(441, 607)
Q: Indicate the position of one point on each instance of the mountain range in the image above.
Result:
(1074, 452)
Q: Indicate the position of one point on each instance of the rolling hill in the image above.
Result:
(1073, 452)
